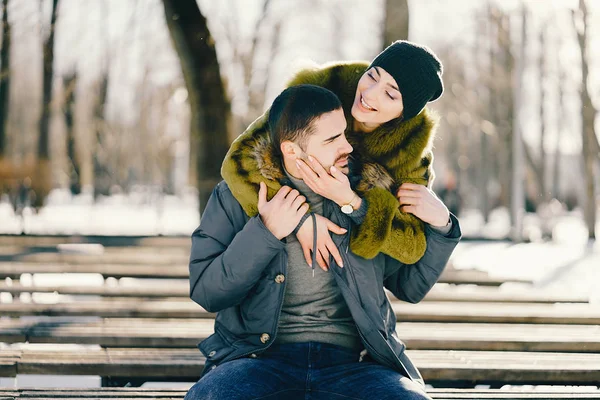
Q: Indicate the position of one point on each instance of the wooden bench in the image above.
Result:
(454, 344)
(178, 394)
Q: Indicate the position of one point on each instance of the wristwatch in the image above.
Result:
(349, 208)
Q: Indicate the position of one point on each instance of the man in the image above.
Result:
(283, 330)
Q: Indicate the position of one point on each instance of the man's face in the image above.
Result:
(327, 143)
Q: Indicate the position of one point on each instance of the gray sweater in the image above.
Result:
(313, 307)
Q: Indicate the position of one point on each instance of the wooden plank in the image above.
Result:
(8, 363)
(180, 288)
(187, 364)
(488, 294)
(16, 269)
(139, 332)
(481, 367)
(566, 313)
(181, 270)
(474, 277)
(144, 308)
(175, 288)
(150, 362)
(139, 258)
(515, 394)
(430, 311)
(436, 394)
(53, 240)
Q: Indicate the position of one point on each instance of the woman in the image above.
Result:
(391, 133)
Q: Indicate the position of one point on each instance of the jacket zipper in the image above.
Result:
(346, 262)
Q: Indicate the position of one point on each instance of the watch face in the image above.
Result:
(347, 209)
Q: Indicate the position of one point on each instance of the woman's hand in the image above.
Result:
(423, 204)
(333, 185)
(325, 245)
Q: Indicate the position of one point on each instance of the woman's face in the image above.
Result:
(378, 99)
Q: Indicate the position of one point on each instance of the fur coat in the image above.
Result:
(394, 153)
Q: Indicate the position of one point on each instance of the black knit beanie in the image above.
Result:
(417, 71)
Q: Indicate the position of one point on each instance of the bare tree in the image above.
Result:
(210, 107)
(4, 77)
(74, 169)
(543, 111)
(590, 146)
(501, 99)
(48, 73)
(42, 182)
(256, 93)
(100, 153)
(396, 21)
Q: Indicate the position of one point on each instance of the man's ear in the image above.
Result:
(290, 149)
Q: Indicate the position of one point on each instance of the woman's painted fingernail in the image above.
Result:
(310, 158)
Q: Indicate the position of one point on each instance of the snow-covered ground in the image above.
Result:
(141, 212)
(558, 256)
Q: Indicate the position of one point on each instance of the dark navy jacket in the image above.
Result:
(238, 269)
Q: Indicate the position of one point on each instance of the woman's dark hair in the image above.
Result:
(294, 110)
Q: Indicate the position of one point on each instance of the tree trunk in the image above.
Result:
(102, 173)
(48, 72)
(589, 140)
(396, 21)
(543, 114)
(210, 107)
(561, 129)
(42, 182)
(70, 84)
(518, 196)
(4, 77)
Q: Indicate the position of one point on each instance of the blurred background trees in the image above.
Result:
(108, 96)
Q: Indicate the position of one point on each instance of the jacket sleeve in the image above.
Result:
(241, 170)
(411, 282)
(227, 256)
(389, 230)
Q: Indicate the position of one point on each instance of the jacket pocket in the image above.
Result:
(215, 349)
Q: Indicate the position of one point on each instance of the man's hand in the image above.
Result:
(283, 212)
(423, 204)
(333, 185)
(325, 245)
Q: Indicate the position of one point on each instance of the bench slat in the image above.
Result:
(153, 393)
(175, 288)
(461, 293)
(123, 332)
(109, 241)
(126, 258)
(568, 313)
(15, 269)
(187, 364)
(180, 288)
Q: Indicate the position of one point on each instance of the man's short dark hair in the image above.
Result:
(293, 112)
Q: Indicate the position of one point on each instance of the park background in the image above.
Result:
(115, 114)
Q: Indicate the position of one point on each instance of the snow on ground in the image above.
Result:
(140, 212)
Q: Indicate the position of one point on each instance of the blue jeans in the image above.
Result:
(305, 371)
